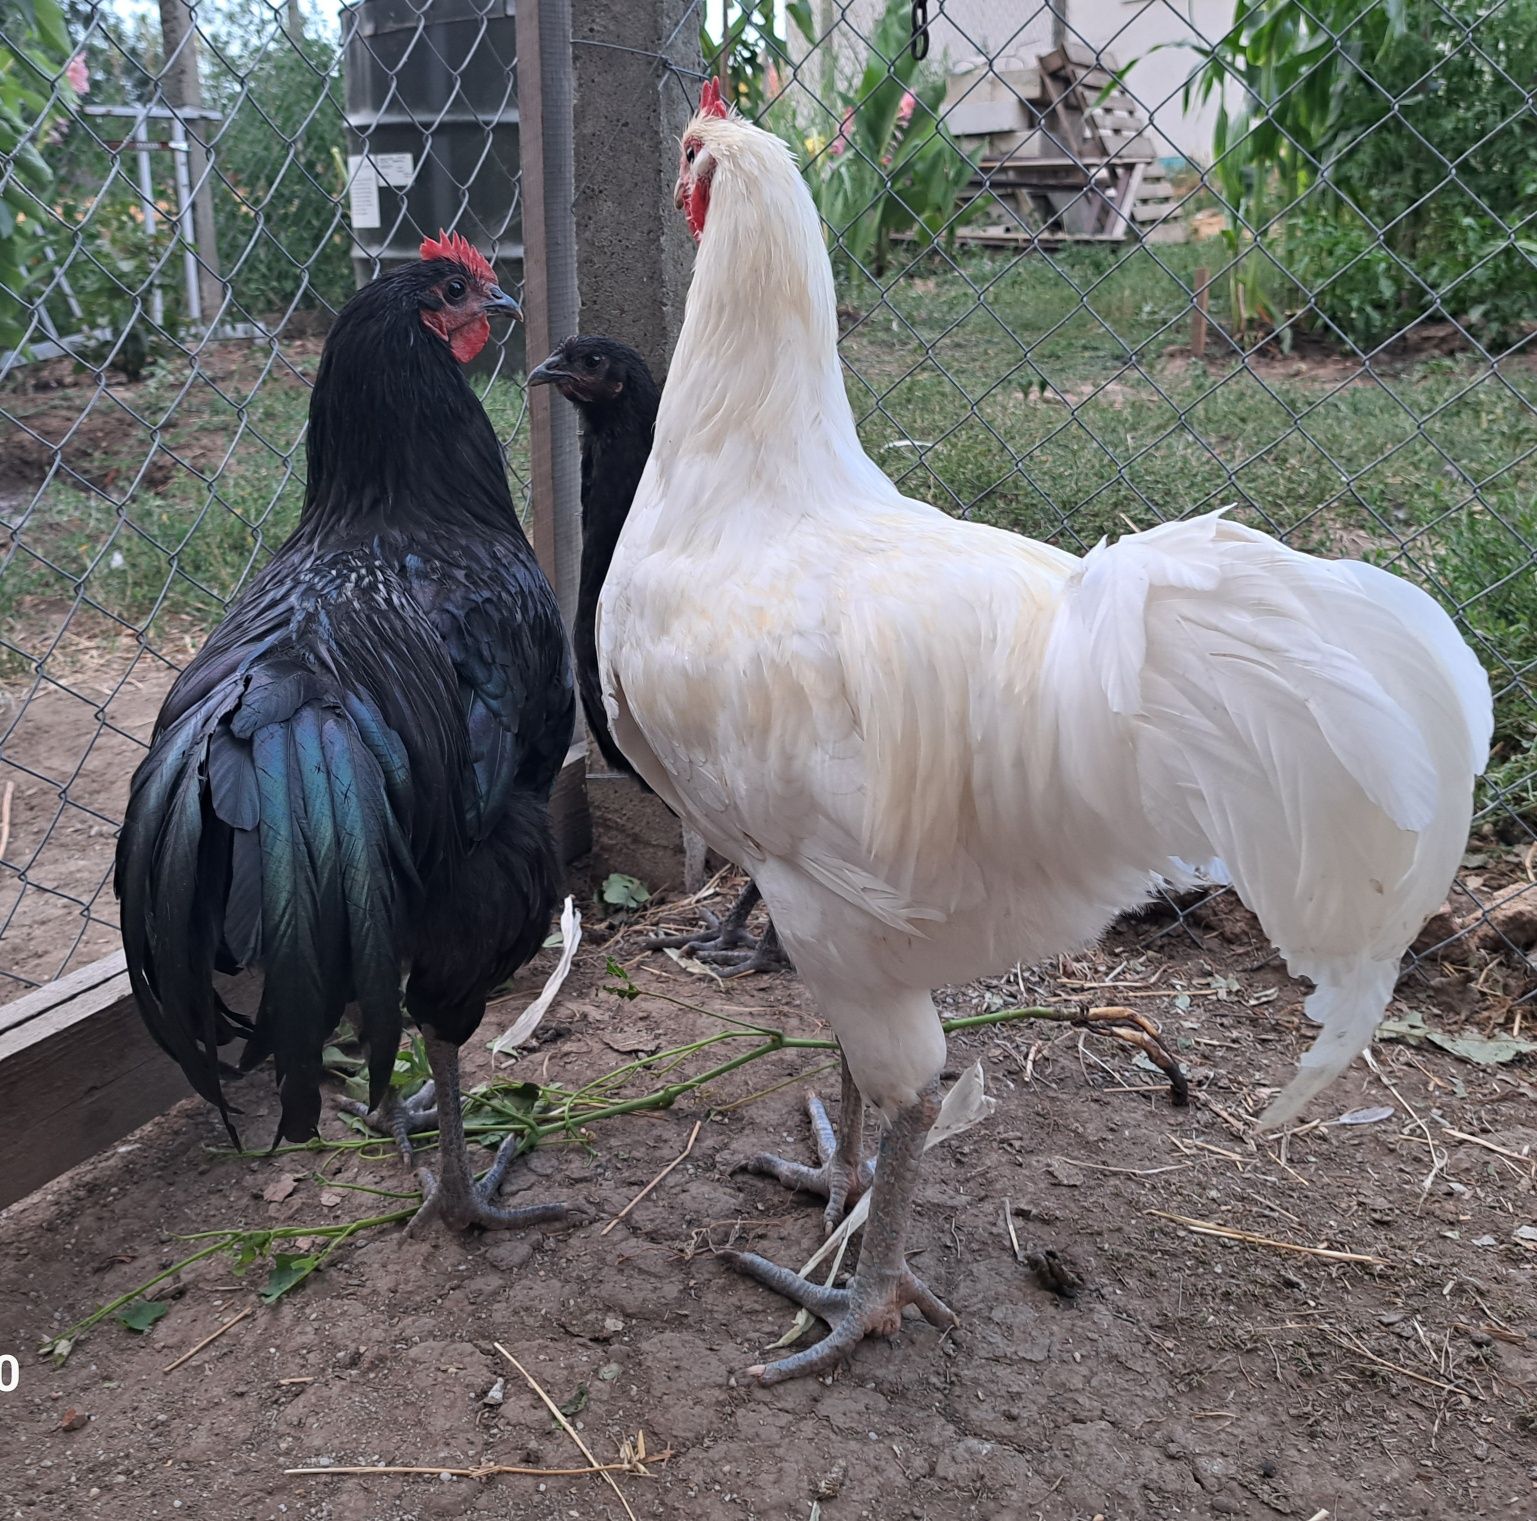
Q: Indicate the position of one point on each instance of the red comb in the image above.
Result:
(455, 246)
(710, 103)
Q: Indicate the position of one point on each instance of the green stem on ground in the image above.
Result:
(568, 1111)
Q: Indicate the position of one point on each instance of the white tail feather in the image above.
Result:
(1316, 726)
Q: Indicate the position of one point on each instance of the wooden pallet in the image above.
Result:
(1063, 152)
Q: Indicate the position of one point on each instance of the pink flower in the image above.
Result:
(905, 110)
(841, 142)
(78, 75)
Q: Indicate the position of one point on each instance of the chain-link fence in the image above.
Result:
(188, 198)
(1100, 264)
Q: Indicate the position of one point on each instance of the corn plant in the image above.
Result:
(1290, 64)
(881, 164)
(36, 90)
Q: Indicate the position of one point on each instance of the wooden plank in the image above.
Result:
(536, 289)
(77, 1077)
(80, 983)
(79, 1071)
(1077, 56)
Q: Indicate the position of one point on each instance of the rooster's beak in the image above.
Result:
(497, 300)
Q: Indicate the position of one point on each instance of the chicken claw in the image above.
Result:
(461, 1202)
(842, 1176)
(882, 1285)
(726, 941)
(399, 1117)
(868, 1307)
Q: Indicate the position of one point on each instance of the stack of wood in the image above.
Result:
(1062, 153)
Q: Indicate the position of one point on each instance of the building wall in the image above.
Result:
(1015, 32)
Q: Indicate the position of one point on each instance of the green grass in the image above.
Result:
(174, 539)
(1038, 394)
(1045, 399)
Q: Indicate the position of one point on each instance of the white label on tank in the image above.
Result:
(363, 191)
(394, 169)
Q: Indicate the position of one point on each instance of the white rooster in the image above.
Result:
(940, 748)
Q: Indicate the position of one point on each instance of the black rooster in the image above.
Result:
(348, 787)
(616, 398)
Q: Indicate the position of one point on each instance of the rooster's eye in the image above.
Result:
(591, 361)
(454, 290)
(689, 153)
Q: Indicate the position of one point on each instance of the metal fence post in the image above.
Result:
(637, 67)
(181, 84)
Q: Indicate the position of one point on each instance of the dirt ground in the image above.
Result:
(68, 745)
(1193, 1375)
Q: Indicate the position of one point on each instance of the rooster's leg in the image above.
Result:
(844, 1174)
(882, 1285)
(766, 953)
(400, 1117)
(726, 941)
(695, 853)
(455, 1196)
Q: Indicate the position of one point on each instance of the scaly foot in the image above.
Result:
(455, 1196)
(765, 954)
(871, 1305)
(727, 942)
(841, 1178)
(398, 1117)
(461, 1202)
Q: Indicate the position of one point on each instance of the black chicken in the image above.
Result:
(348, 787)
(616, 398)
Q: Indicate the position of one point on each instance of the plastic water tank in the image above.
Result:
(432, 137)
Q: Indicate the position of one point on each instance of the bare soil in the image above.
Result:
(1192, 1376)
(95, 427)
(70, 742)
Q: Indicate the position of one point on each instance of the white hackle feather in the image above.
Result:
(941, 748)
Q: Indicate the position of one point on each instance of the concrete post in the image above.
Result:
(633, 251)
(634, 260)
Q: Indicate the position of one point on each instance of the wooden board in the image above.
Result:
(78, 1070)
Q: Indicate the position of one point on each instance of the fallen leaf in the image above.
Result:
(275, 1193)
(330, 1198)
(1487, 1051)
(141, 1314)
(631, 1042)
(288, 1271)
(623, 891)
(691, 964)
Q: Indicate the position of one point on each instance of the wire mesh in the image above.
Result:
(192, 198)
(1099, 265)
(1103, 265)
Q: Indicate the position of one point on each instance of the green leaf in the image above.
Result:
(1486, 1051)
(288, 1272)
(624, 891)
(577, 1403)
(140, 1314)
(625, 986)
(334, 1059)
